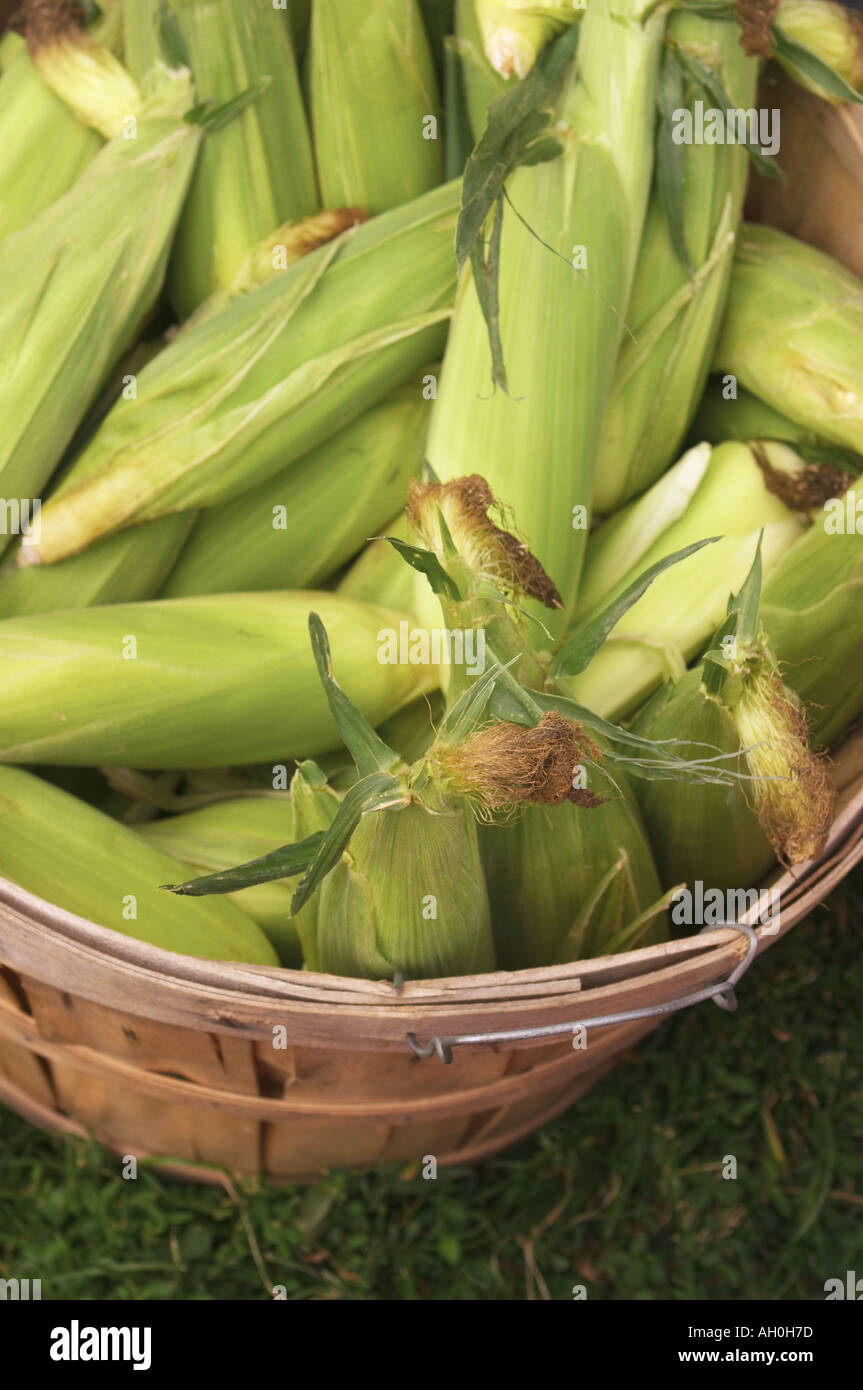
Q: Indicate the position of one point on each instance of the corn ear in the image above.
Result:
(85, 273)
(257, 171)
(373, 92)
(832, 32)
(787, 788)
(119, 569)
(674, 310)
(299, 527)
(812, 612)
(72, 855)
(36, 169)
(514, 32)
(190, 683)
(588, 203)
(314, 808)
(742, 416)
(231, 832)
(792, 334)
(722, 494)
(408, 896)
(482, 85)
(566, 882)
(700, 833)
(232, 402)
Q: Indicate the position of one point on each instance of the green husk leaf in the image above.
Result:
(285, 862)
(669, 155)
(368, 751)
(712, 85)
(378, 792)
(212, 118)
(516, 134)
(426, 562)
(464, 715)
(172, 43)
(580, 650)
(808, 64)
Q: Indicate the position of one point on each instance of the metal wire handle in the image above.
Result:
(721, 994)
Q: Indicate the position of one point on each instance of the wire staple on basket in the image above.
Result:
(721, 994)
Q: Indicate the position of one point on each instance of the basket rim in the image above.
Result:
(46, 942)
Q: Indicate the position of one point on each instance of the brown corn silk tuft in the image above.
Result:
(507, 765)
(309, 233)
(41, 21)
(755, 18)
(810, 486)
(491, 551)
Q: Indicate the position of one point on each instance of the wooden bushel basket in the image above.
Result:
(289, 1073)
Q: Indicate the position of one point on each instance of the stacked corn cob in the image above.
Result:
(293, 294)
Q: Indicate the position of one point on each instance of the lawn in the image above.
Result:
(624, 1195)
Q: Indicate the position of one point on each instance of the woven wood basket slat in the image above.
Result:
(172, 1058)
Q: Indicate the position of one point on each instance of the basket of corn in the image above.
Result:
(431, 636)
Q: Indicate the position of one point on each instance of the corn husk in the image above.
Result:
(514, 32)
(257, 171)
(277, 252)
(314, 804)
(408, 896)
(229, 404)
(120, 569)
(538, 445)
(85, 274)
(569, 882)
(702, 833)
(297, 529)
(45, 147)
(784, 808)
(832, 32)
(721, 492)
(73, 856)
(742, 416)
(674, 313)
(379, 574)
(482, 85)
(372, 93)
(200, 682)
(792, 334)
(225, 833)
(812, 612)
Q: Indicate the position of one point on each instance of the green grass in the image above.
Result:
(624, 1194)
